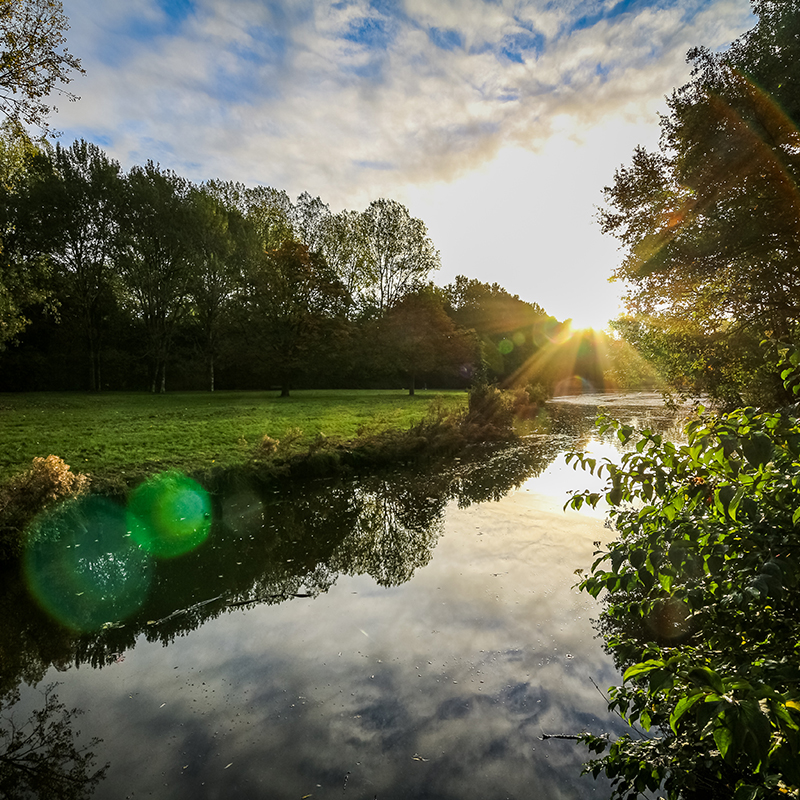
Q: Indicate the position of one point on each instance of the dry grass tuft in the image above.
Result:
(46, 483)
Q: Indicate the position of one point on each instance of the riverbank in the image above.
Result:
(121, 437)
(446, 424)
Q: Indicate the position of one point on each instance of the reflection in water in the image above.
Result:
(82, 566)
(169, 515)
(372, 683)
(41, 756)
(89, 575)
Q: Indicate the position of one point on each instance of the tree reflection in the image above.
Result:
(41, 757)
(273, 545)
(394, 535)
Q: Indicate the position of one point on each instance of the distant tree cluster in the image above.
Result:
(118, 280)
(114, 280)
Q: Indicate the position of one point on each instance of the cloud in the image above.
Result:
(409, 99)
(311, 94)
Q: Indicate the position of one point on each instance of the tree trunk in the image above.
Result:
(211, 372)
(411, 387)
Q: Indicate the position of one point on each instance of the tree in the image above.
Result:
(24, 265)
(79, 203)
(511, 331)
(43, 757)
(710, 224)
(294, 309)
(343, 244)
(310, 217)
(222, 248)
(399, 254)
(155, 258)
(268, 210)
(419, 338)
(33, 61)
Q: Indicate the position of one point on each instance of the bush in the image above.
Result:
(48, 482)
(702, 608)
(266, 447)
(491, 409)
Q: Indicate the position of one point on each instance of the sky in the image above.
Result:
(496, 122)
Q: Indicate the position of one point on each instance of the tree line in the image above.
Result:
(117, 280)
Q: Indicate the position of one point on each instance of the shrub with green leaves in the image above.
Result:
(702, 608)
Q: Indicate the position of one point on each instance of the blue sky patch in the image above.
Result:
(445, 38)
(69, 135)
(602, 70)
(521, 46)
(389, 8)
(177, 10)
(616, 10)
(371, 32)
(134, 29)
(98, 138)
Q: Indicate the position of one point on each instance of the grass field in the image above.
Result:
(125, 435)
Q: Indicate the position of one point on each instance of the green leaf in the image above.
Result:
(707, 677)
(734, 504)
(683, 706)
(758, 449)
(723, 737)
(642, 668)
(745, 792)
(661, 679)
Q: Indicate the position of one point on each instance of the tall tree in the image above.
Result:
(420, 338)
(155, 259)
(222, 249)
(344, 247)
(310, 217)
(296, 305)
(710, 224)
(511, 331)
(399, 254)
(25, 269)
(33, 60)
(269, 210)
(80, 202)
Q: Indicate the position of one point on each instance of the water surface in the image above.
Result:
(408, 636)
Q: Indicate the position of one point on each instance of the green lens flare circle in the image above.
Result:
(169, 515)
(82, 567)
(505, 346)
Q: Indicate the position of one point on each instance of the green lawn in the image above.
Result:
(124, 434)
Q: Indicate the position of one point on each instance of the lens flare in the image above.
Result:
(505, 346)
(169, 515)
(82, 566)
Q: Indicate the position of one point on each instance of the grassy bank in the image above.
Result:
(122, 437)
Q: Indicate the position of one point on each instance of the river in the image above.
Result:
(411, 635)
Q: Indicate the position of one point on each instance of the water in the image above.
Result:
(407, 636)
